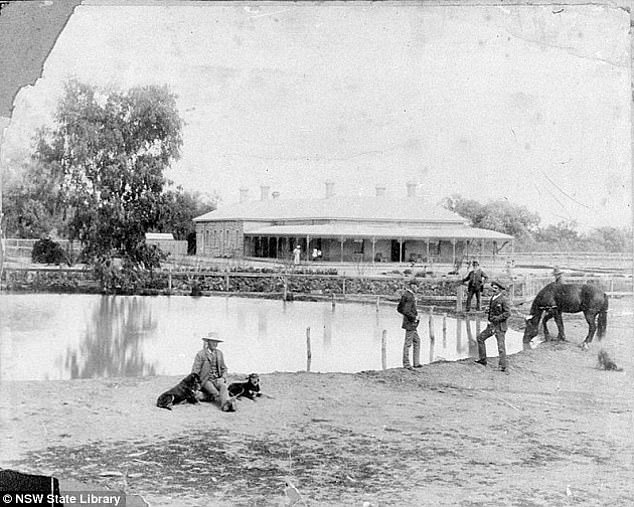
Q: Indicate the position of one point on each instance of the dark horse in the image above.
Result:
(557, 298)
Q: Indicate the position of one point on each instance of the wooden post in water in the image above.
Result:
(227, 281)
(378, 303)
(333, 300)
(343, 288)
(444, 328)
(384, 349)
(169, 280)
(459, 297)
(431, 324)
(309, 354)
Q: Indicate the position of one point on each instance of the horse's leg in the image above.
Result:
(559, 320)
(547, 317)
(590, 319)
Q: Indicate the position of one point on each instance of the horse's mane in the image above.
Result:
(539, 302)
(545, 297)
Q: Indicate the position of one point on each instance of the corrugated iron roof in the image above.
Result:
(406, 209)
(158, 236)
(377, 231)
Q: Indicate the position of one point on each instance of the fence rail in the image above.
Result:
(193, 281)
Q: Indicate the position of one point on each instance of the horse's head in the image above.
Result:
(531, 329)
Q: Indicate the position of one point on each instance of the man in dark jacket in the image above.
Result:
(407, 308)
(499, 312)
(476, 278)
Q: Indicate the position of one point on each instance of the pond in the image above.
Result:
(65, 336)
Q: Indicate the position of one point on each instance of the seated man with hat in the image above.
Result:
(558, 273)
(210, 366)
(499, 312)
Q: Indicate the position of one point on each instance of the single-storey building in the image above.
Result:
(343, 229)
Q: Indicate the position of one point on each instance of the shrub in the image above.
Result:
(47, 251)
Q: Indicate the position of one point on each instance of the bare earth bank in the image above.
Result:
(557, 430)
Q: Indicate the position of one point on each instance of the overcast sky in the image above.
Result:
(522, 103)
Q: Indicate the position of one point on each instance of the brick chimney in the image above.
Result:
(411, 189)
(380, 191)
(330, 188)
(264, 192)
(244, 194)
(275, 195)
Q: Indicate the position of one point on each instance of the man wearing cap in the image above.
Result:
(558, 273)
(476, 278)
(210, 366)
(407, 308)
(499, 312)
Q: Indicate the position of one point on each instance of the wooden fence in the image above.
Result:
(194, 281)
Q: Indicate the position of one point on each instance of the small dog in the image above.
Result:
(184, 391)
(249, 389)
(606, 362)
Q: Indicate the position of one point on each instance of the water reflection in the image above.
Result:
(79, 336)
(112, 343)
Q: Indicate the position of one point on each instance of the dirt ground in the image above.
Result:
(556, 430)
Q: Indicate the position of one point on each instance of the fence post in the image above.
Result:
(459, 297)
(343, 287)
(308, 351)
(227, 281)
(384, 349)
(285, 294)
(169, 279)
(431, 324)
(444, 327)
(378, 303)
(333, 300)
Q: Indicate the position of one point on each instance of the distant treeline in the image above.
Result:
(524, 225)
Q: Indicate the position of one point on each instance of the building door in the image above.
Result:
(273, 247)
(396, 250)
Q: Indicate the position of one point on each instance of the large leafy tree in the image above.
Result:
(31, 203)
(108, 150)
(179, 207)
(499, 215)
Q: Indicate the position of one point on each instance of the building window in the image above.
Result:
(358, 246)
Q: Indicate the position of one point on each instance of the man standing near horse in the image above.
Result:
(407, 308)
(476, 278)
(499, 312)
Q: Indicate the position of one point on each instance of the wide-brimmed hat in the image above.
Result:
(557, 272)
(212, 336)
(499, 284)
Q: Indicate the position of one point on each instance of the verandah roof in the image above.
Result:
(368, 231)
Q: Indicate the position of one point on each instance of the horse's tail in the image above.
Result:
(602, 323)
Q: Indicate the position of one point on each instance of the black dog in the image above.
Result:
(184, 391)
(249, 389)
